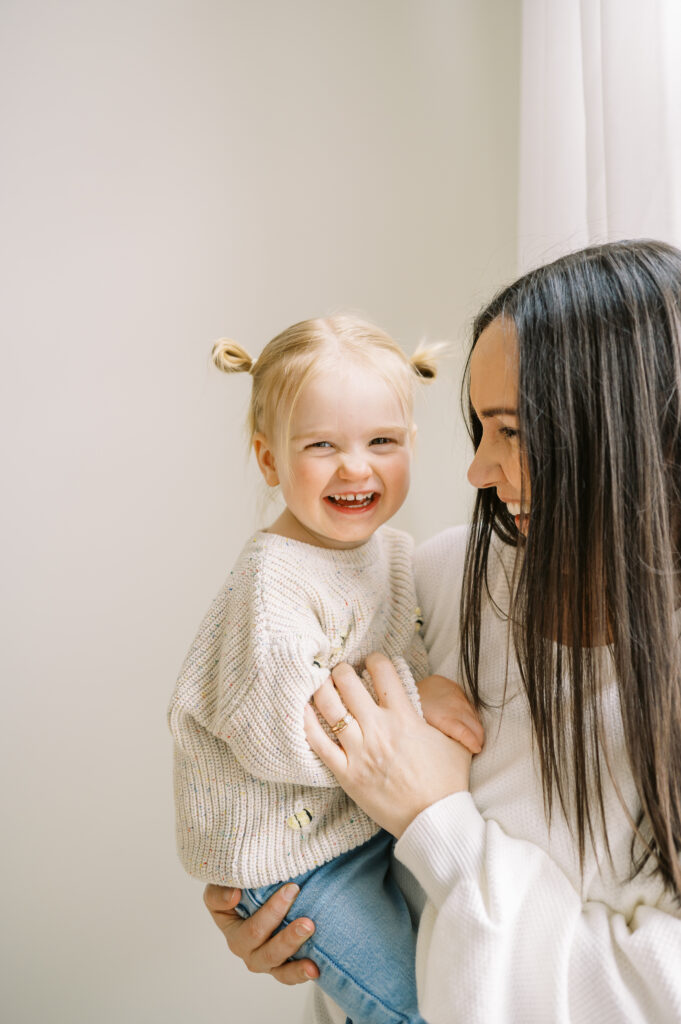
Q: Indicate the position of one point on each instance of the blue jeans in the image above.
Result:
(364, 943)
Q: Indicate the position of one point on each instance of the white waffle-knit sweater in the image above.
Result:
(511, 932)
(254, 804)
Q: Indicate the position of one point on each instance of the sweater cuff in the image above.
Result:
(443, 845)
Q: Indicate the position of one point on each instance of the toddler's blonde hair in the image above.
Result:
(294, 357)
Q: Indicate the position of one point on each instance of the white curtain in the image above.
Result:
(600, 125)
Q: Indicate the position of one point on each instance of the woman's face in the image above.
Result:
(499, 461)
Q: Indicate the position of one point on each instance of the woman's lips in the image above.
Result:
(520, 513)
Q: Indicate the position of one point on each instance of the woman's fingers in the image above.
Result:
(331, 753)
(295, 972)
(328, 702)
(273, 956)
(256, 931)
(353, 694)
(387, 683)
(221, 899)
(345, 705)
(252, 940)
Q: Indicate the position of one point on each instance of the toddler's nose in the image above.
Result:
(354, 467)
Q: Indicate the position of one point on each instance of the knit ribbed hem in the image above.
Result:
(249, 874)
(253, 842)
(443, 845)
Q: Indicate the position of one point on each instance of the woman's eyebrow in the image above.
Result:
(486, 414)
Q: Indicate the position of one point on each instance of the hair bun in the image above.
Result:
(230, 357)
(424, 360)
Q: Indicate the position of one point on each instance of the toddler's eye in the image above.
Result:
(319, 444)
(382, 440)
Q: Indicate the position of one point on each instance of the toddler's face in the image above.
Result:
(349, 456)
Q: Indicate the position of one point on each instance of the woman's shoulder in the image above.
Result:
(452, 539)
(438, 571)
(439, 568)
(441, 558)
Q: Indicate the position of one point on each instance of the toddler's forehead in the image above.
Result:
(345, 381)
(346, 391)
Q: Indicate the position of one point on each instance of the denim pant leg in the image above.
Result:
(364, 943)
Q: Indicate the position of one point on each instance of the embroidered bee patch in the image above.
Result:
(300, 820)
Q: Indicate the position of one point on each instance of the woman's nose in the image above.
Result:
(483, 470)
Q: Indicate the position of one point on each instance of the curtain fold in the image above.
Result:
(600, 124)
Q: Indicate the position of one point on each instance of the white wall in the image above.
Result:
(174, 171)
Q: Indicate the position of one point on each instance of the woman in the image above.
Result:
(551, 867)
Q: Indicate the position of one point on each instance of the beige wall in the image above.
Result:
(174, 171)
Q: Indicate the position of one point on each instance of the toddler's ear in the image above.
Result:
(265, 456)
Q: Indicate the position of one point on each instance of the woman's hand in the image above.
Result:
(388, 759)
(251, 938)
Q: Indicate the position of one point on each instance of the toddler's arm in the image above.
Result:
(447, 708)
(263, 724)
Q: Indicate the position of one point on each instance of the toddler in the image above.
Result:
(331, 425)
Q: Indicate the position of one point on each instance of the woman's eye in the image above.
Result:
(382, 440)
(508, 432)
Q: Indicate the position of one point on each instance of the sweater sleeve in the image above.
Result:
(506, 937)
(263, 725)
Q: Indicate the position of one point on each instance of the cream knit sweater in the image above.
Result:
(512, 932)
(254, 805)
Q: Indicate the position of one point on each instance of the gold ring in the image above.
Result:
(342, 723)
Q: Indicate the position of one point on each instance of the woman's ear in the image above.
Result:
(265, 456)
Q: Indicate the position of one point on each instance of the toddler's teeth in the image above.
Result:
(360, 500)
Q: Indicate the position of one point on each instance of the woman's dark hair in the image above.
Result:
(599, 409)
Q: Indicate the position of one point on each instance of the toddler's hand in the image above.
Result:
(447, 708)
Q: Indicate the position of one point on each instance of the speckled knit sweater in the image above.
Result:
(254, 804)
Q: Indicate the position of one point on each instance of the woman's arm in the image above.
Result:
(506, 936)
